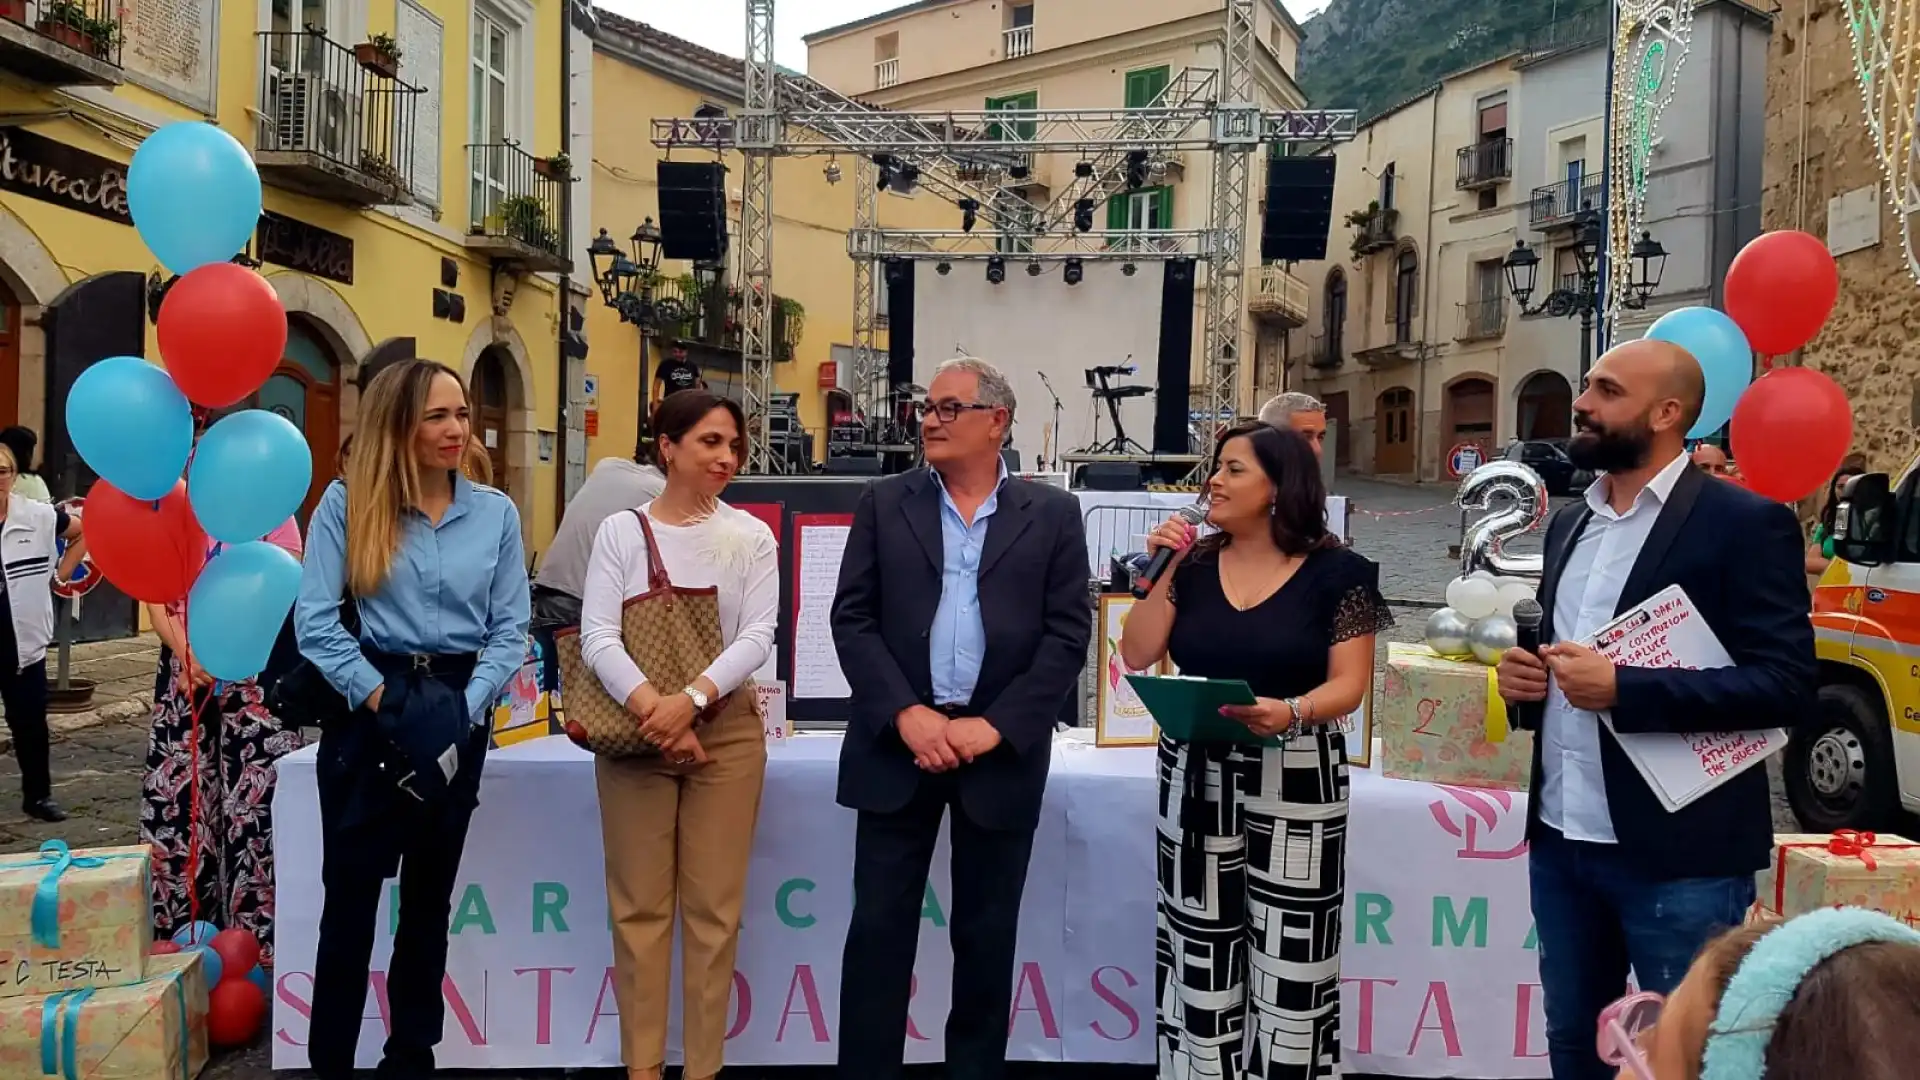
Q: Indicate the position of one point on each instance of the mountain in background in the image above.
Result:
(1370, 55)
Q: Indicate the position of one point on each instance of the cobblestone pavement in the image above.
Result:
(99, 754)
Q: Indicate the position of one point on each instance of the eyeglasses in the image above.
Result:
(1621, 1025)
(949, 411)
(5, 472)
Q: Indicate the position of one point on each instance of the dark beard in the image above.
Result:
(1604, 450)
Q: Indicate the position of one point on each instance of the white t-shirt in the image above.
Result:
(732, 551)
(615, 484)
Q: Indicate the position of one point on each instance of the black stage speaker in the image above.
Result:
(1299, 209)
(853, 466)
(899, 286)
(1112, 476)
(1174, 370)
(693, 210)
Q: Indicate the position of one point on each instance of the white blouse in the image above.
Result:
(732, 551)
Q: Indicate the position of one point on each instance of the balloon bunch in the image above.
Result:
(195, 198)
(238, 985)
(1478, 618)
(1792, 426)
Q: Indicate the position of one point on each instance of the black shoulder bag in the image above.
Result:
(296, 691)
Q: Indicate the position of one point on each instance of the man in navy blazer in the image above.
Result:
(1616, 880)
(962, 623)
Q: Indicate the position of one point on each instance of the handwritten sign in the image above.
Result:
(816, 666)
(773, 711)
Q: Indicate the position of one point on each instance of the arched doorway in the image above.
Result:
(1467, 414)
(489, 397)
(1393, 431)
(10, 331)
(305, 389)
(1545, 407)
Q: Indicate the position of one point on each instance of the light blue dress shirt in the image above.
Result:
(958, 640)
(456, 587)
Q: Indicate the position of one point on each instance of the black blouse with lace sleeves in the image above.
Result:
(1361, 610)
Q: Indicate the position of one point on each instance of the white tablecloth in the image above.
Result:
(1440, 974)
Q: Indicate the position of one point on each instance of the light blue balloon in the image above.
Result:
(249, 474)
(194, 195)
(236, 608)
(261, 978)
(131, 425)
(199, 933)
(211, 964)
(1725, 358)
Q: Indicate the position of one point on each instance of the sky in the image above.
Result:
(721, 25)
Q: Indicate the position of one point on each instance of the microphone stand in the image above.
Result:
(1048, 383)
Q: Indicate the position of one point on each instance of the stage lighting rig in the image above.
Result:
(996, 270)
(969, 214)
(1073, 272)
(1083, 215)
(944, 268)
(1129, 269)
(1136, 169)
(1033, 269)
(1084, 170)
(832, 171)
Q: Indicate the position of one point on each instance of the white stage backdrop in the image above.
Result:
(1029, 325)
(1441, 976)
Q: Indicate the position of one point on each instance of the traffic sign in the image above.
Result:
(1465, 458)
(85, 576)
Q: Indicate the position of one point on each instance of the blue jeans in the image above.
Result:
(1597, 913)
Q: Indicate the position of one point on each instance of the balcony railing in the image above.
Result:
(886, 73)
(62, 42)
(331, 126)
(1570, 30)
(1481, 320)
(1555, 205)
(1483, 164)
(1373, 231)
(1324, 352)
(709, 313)
(1019, 41)
(1279, 297)
(516, 212)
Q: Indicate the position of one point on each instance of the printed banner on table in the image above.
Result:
(1440, 972)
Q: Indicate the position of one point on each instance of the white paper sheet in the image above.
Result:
(816, 666)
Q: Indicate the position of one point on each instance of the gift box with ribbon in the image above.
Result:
(74, 920)
(152, 1030)
(1844, 869)
(1442, 722)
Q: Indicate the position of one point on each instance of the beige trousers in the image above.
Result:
(686, 835)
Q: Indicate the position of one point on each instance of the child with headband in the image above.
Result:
(1829, 995)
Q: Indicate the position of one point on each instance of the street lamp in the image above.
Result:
(626, 285)
(1579, 293)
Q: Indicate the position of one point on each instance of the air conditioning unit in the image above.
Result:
(309, 115)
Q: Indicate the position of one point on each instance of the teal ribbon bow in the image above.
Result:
(59, 1030)
(58, 858)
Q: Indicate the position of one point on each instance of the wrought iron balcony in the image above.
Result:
(62, 42)
(1556, 205)
(1373, 230)
(1482, 320)
(516, 207)
(1483, 165)
(1325, 353)
(1278, 297)
(1019, 41)
(708, 312)
(331, 126)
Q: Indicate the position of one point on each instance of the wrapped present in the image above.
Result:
(1845, 869)
(71, 920)
(151, 1030)
(1440, 721)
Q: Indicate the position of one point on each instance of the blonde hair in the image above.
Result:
(476, 464)
(7, 453)
(383, 476)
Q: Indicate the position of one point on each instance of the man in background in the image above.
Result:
(614, 485)
(1303, 413)
(675, 373)
(27, 481)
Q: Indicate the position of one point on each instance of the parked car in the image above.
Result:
(1548, 457)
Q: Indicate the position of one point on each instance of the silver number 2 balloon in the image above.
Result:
(1517, 498)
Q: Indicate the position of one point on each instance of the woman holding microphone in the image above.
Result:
(413, 605)
(1253, 838)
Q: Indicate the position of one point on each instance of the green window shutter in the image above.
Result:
(1029, 100)
(1117, 214)
(995, 105)
(1145, 85)
(1164, 198)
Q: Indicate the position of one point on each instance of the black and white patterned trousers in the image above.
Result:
(1252, 868)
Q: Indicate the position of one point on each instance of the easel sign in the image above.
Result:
(1120, 719)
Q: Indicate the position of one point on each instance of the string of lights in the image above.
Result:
(1651, 40)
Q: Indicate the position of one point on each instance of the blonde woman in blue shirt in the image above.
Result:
(431, 568)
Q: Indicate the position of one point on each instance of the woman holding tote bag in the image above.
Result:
(678, 611)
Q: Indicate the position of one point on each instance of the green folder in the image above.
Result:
(1188, 708)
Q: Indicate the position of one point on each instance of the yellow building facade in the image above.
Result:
(639, 74)
(413, 206)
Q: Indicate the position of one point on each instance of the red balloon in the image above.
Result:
(1780, 289)
(151, 550)
(239, 951)
(222, 332)
(1791, 429)
(163, 948)
(235, 1009)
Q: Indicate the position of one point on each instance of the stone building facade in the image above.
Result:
(1822, 175)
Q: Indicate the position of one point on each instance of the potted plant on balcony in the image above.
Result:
(523, 218)
(558, 167)
(70, 23)
(380, 54)
(1360, 219)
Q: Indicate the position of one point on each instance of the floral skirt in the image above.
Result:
(228, 851)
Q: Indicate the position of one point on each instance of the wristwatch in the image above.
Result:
(700, 701)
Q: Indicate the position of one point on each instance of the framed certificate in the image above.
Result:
(1120, 717)
(1359, 728)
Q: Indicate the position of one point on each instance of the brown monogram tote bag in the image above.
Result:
(672, 633)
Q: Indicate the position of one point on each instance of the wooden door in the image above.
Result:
(489, 402)
(313, 407)
(1337, 410)
(1393, 431)
(10, 362)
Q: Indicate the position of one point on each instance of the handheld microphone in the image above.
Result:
(1143, 584)
(1527, 617)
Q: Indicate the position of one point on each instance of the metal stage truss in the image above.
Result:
(981, 161)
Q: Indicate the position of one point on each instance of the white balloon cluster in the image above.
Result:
(1478, 618)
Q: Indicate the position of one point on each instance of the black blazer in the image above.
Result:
(1034, 606)
(1740, 559)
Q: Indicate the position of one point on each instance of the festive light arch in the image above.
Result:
(1886, 64)
(1651, 40)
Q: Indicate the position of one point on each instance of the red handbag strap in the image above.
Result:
(656, 570)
